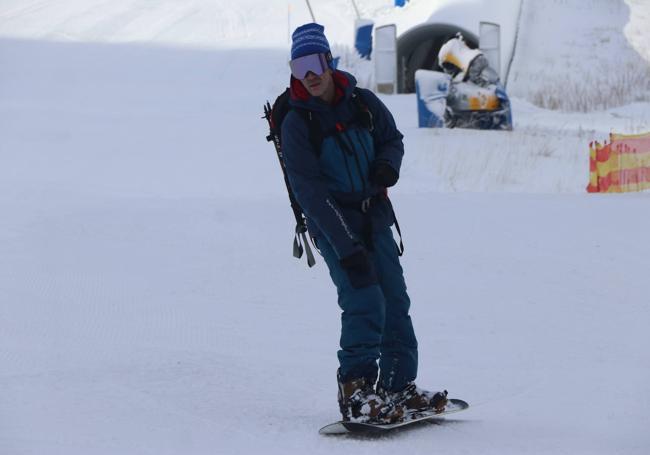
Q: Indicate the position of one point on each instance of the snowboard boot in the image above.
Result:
(413, 399)
(358, 402)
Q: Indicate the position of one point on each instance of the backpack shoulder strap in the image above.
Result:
(364, 116)
(279, 111)
(316, 134)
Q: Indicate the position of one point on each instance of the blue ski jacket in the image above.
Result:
(331, 183)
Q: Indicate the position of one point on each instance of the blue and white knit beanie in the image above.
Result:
(309, 39)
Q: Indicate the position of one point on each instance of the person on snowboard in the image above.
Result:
(341, 187)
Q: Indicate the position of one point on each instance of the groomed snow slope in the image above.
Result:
(203, 23)
(149, 303)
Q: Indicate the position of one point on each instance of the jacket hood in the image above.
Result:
(344, 84)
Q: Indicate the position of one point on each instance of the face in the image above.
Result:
(318, 85)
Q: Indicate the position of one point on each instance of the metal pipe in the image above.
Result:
(313, 18)
(356, 9)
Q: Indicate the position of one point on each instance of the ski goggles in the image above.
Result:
(316, 63)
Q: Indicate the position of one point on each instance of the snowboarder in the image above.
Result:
(340, 181)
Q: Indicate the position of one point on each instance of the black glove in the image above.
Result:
(360, 269)
(383, 174)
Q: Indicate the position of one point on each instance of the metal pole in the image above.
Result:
(310, 11)
(356, 9)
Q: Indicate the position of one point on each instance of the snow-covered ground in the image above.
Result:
(148, 300)
(582, 56)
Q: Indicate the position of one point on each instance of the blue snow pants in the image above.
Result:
(375, 322)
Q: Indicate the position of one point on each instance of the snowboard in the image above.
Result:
(454, 405)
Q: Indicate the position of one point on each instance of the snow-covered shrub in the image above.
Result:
(605, 86)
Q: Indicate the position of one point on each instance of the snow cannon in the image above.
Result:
(473, 106)
(445, 102)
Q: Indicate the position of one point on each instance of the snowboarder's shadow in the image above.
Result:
(379, 434)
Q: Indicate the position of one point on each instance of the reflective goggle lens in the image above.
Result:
(316, 63)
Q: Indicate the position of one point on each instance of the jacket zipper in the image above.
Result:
(363, 146)
(345, 152)
(349, 149)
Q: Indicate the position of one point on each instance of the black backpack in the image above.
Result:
(275, 115)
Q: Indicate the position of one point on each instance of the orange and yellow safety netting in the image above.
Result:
(621, 165)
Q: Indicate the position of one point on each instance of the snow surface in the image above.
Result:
(148, 300)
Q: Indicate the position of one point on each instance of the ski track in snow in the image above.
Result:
(148, 297)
